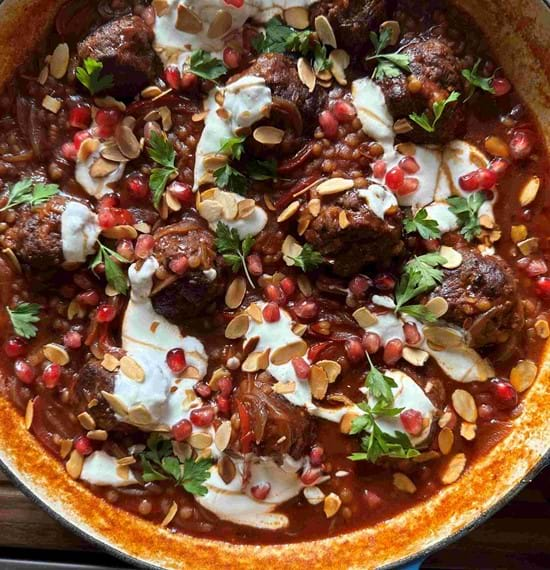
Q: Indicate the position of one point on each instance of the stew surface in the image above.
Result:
(270, 271)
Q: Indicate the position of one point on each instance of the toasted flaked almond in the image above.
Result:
(223, 436)
(487, 222)
(226, 469)
(97, 435)
(314, 207)
(402, 126)
(187, 21)
(102, 168)
(87, 148)
(464, 405)
(161, 7)
(86, 421)
(314, 495)
(406, 149)
(59, 62)
(303, 223)
(151, 92)
(110, 362)
(268, 135)
(43, 75)
(235, 292)
(445, 419)
(220, 24)
(393, 29)
(74, 464)
(529, 191)
(332, 369)
(324, 75)
(415, 356)
(256, 361)
(110, 151)
(289, 211)
(127, 142)
(334, 186)
(286, 353)
(228, 203)
(210, 210)
(166, 118)
(250, 344)
(245, 208)
(152, 115)
(122, 472)
(216, 376)
(143, 227)
(140, 415)
(454, 468)
(438, 306)
(468, 431)
(346, 422)
(75, 310)
(523, 375)
(284, 387)
(404, 483)
(343, 221)
(56, 353)
(325, 32)
(297, 17)
(51, 104)
(172, 202)
(306, 74)
(318, 381)
(331, 505)
(299, 329)
(65, 446)
(269, 203)
(445, 440)
(116, 403)
(130, 368)
(443, 337)
(255, 312)
(452, 256)
(29, 414)
(518, 233)
(120, 232)
(529, 246)
(182, 450)
(172, 511)
(110, 103)
(200, 440)
(237, 327)
(208, 194)
(426, 456)
(304, 284)
(290, 247)
(364, 317)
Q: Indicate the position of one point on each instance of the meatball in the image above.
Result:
(124, 48)
(483, 298)
(36, 235)
(186, 249)
(351, 20)
(366, 239)
(92, 380)
(278, 426)
(435, 74)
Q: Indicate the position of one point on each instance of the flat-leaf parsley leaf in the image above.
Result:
(467, 210)
(233, 250)
(27, 192)
(206, 66)
(438, 108)
(113, 273)
(90, 76)
(424, 226)
(160, 149)
(22, 318)
(308, 259)
(476, 80)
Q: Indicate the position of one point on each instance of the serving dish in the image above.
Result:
(518, 33)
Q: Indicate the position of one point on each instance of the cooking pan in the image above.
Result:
(519, 33)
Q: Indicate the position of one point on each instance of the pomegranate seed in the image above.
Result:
(275, 294)
(261, 490)
(501, 85)
(379, 168)
(69, 152)
(384, 282)
(203, 390)
(107, 120)
(51, 375)
(202, 417)
(111, 200)
(80, 116)
(234, 3)
(79, 138)
(15, 347)
(225, 386)
(138, 185)
(310, 476)
(359, 286)
(182, 430)
(393, 351)
(306, 310)
(372, 500)
(371, 342)
(504, 394)
(486, 411)
(521, 145)
(469, 182)
(123, 216)
(172, 76)
(412, 421)
(314, 352)
(179, 265)
(89, 298)
(409, 165)
(106, 218)
(24, 371)
(144, 246)
(72, 340)
(83, 445)
(499, 166)
(271, 312)
(224, 404)
(355, 351)
(189, 81)
(409, 186)
(395, 178)
(176, 361)
(182, 192)
(288, 285)
(301, 367)
(542, 287)
(487, 178)
(328, 124)
(344, 112)
(536, 267)
(316, 455)
(106, 313)
(125, 248)
(412, 336)
(231, 58)
(254, 264)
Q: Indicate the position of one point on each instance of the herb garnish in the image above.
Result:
(205, 65)
(466, 210)
(159, 463)
(27, 192)
(262, 169)
(308, 259)
(113, 273)
(231, 179)
(426, 227)
(377, 443)
(389, 64)
(162, 152)
(438, 108)
(233, 147)
(233, 250)
(476, 80)
(90, 76)
(22, 318)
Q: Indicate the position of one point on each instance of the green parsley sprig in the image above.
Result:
(438, 108)
(261, 170)
(466, 210)
(233, 250)
(231, 179)
(159, 464)
(309, 259)
(113, 273)
(424, 226)
(160, 149)
(23, 317)
(27, 192)
(90, 76)
(475, 80)
(233, 147)
(206, 66)
(388, 64)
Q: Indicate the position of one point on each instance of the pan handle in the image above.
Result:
(415, 565)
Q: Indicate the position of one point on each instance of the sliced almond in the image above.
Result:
(332, 369)
(304, 284)
(314, 495)
(404, 483)
(187, 21)
(297, 17)
(523, 375)
(127, 142)
(268, 135)
(314, 207)
(221, 24)
(284, 387)
(245, 208)
(140, 416)
(256, 361)
(289, 211)
(110, 151)
(111, 103)
(529, 246)
(542, 328)
(402, 126)
(87, 148)
(166, 118)
(172, 202)
(151, 92)
(235, 293)
(120, 232)
(210, 210)
(286, 353)
(415, 356)
(223, 436)
(51, 104)
(102, 168)
(464, 405)
(442, 337)
(346, 422)
(65, 447)
(43, 75)
(334, 186)
(340, 61)
(237, 327)
(116, 403)
(445, 440)
(29, 414)
(74, 464)
(172, 512)
(97, 435)
(364, 317)
(59, 62)
(86, 421)
(318, 381)
(331, 505)
(325, 32)
(452, 256)
(454, 468)
(255, 312)
(529, 191)
(56, 353)
(426, 456)
(229, 205)
(394, 30)
(438, 306)
(130, 368)
(200, 440)
(306, 74)
(468, 431)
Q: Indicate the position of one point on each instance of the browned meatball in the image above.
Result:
(435, 74)
(124, 48)
(483, 298)
(188, 245)
(279, 427)
(92, 380)
(351, 20)
(366, 239)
